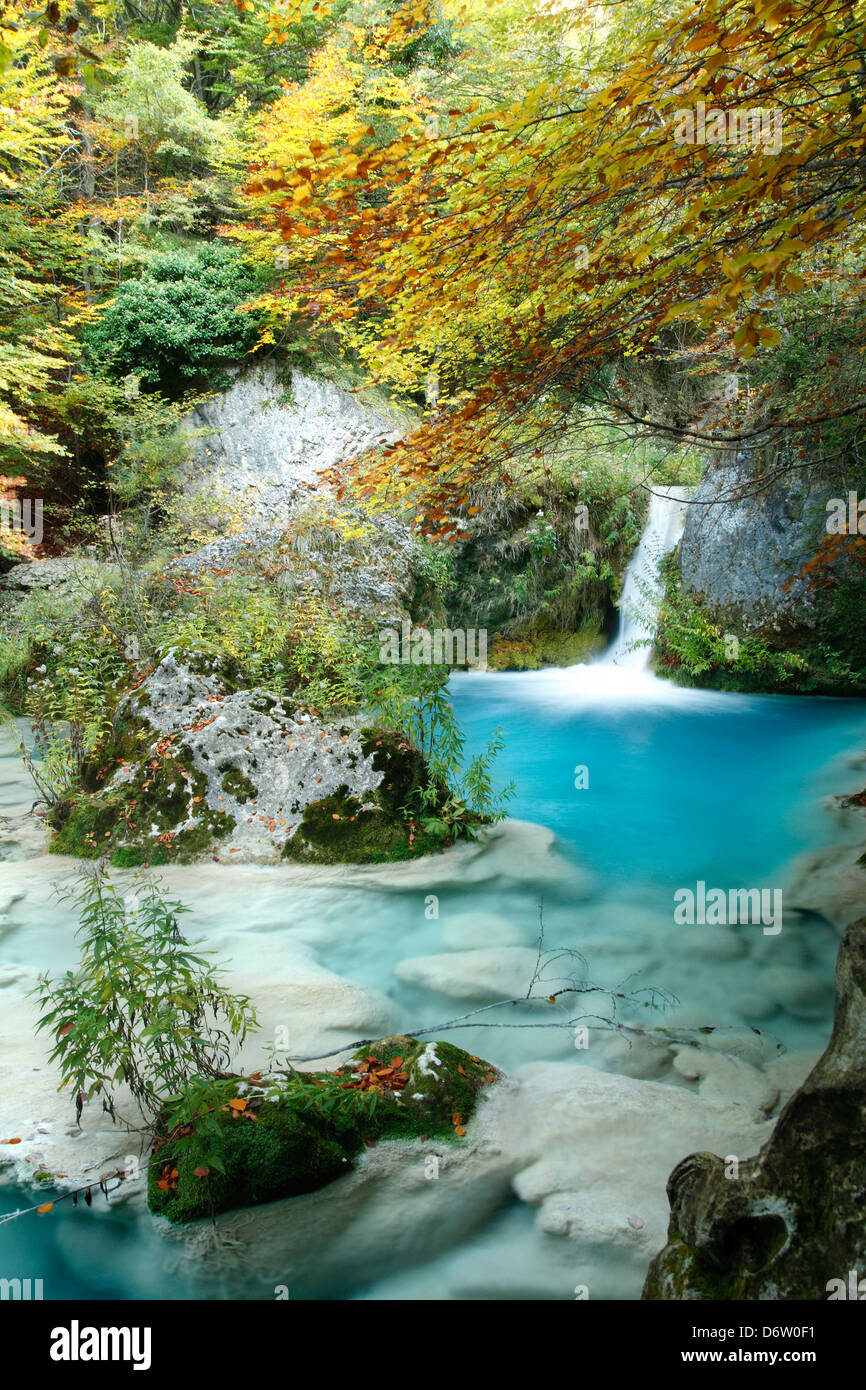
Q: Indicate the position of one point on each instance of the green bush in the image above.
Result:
(178, 320)
(141, 1008)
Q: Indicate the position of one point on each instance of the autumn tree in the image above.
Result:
(544, 242)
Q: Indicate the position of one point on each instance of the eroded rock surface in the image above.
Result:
(199, 766)
(743, 551)
(266, 439)
(791, 1220)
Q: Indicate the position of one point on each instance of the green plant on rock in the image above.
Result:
(143, 1009)
(693, 647)
(178, 320)
(456, 799)
(283, 1132)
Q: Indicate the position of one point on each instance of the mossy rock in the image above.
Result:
(545, 649)
(279, 1154)
(339, 829)
(310, 1136)
(238, 785)
(162, 788)
(119, 820)
(442, 1082)
(404, 772)
(789, 1224)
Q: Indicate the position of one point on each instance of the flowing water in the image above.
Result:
(649, 789)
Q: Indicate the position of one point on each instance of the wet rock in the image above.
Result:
(468, 930)
(792, 1220)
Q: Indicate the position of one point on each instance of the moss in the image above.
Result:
(544, 649)
(443, 1081)
(404, 772)
(120, 820)
(293, 1146)
(279, 1154)
(128, 857)
(339, 829)
(236, 784)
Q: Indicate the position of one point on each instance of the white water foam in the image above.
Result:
(642, 588)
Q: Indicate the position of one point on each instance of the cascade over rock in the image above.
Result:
(641, 589)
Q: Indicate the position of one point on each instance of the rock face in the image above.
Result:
(71, 575)
(742, 554)
(367, 563)
(266, 439)
(792, 1222)
(198, 765)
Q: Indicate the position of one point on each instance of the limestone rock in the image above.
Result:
(792, 1221)
(468, 930)
(492, 973)
(264, 439)
(743, 553)
(200, 766)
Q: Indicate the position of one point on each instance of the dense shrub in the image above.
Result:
(178, 320)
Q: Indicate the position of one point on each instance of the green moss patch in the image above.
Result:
(544, 649)
(238, 785)
(340, 829)
(304, 1131)
(137, 822)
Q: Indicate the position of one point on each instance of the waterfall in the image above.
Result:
(642, 587)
